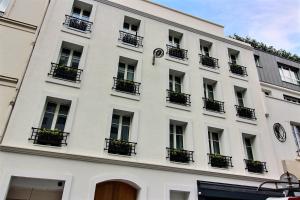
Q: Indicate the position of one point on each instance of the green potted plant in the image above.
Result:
(177, 97)
(208, 61)
(176, 52)
(236, 69)
(125, 86)
(212, 105)
(119, 147)
(255, 166)
(244, 112)
(49, 137)
(217, 160)
(130, 39)
(177, 155)
(64, 72)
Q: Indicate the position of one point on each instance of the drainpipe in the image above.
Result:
(12, 102)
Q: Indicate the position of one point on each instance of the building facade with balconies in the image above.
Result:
(280, 84)
(96, 119)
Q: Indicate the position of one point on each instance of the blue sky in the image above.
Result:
(274, 22)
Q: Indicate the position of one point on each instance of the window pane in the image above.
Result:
(215, 136)
(47, 120)
(51, 107)
(126, 25)
(210, 92)
(121, 71)
(61, 122)
(134, 28)
(170, 39)
(216, 147)
(249, 153)
(171, 140)
(125, 133)
(130, 72)
(179, 130)
(86, 14)
(114, 127)
(179, 141)
(171, 128)
(176, 40)
(64, 109)
(64, 57)
(171, 82)
(75, 59)
(76, 12)
(233, 59)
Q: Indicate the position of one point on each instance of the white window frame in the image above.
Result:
(126, 70)
(211, 142)
(80, 16)
(289, 78)
(129, 29)
(173, 82)
(172, 41)
(246, 147)
(175, 133)
(70, 56)
(56, 113)
(3, 6)
(120, 125)
(207, 91)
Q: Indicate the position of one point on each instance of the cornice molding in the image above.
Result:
(18, 24)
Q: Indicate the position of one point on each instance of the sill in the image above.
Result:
(178, 106)
(76, 32)
(129, 47)
(214, 70)
(243, 78)
(181, 163)
(214, 114)
(246, 121)
(63, 82)
(184, 62)
(125, 95)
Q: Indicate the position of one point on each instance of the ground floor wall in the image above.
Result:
(80, 177)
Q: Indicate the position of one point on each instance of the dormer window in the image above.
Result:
(289, 74)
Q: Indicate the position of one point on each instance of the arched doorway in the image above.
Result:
(115, 190)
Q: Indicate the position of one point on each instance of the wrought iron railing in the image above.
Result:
(180, 155)
(220, 161)
(255, 166)
(177, 52)
(213, 105)
(64, 72)
(48, 137)
(209, 61)
(238, 69)
(120, 147)
(77, 23)
(126, 86)
(178, 98)
(131, 39)
(245, 112)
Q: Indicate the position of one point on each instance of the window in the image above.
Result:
(292, 99)
(256, 59)
(176, 136)
(126, 69)
(248, 146)
(240, 98)
(175, 83)
(81, 10)
(179, 195)
(205, 47)
(208, 91)
(175, 38)
(233, 56)
(120, 126)
(131, 24)
(55, 115)
(3, 6)
(296, 132)
(70, 55)
(214, 142)
(289, 74)
(233, 59)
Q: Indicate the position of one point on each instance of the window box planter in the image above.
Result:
(208, 61)
(179, 156)
(130, 39)
(49, 137)
(176, 52)
(213, 105)
(238, 69)
(120, 147)
(125, 86)
(77, 23)
(220, 161)
(255, 166)
(179, 98)
(66, 73)
(245, 112)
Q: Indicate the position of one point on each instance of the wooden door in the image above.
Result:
(113, 190)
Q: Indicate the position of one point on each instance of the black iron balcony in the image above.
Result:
(238, 69)
(180, 155)
(177, 52)
(179, 98)
(209, 61)
(220, 161)
(77, 23)
(49, 137)
(64, 72)
(213, 105)
(245, 112)
(255, 166)
(131, 39)
(120, 147)
(127, 86)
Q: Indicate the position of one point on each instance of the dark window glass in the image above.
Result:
(126, 25)
(114, 127)
(134, 28)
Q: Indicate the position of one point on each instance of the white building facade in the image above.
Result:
(95, 119)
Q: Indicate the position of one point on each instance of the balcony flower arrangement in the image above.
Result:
(177, 97)
(217, 160)
(208, 61)
(178, 155)
(49, 137)
(130, 39)
(236, 69)
(119, 147)
(255, 166)
(245, 112)
(212, 105)
(176, 52)
(64, 72)
(125, 86)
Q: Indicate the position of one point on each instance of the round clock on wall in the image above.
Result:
(279, 132)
